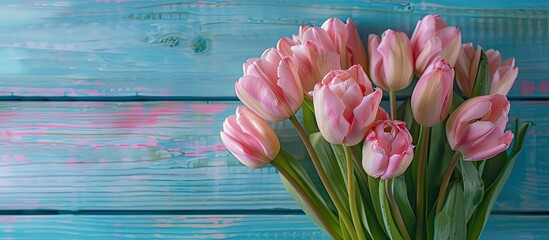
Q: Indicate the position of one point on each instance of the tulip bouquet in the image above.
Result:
(431, 169)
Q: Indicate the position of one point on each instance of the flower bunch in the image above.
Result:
(431, 169)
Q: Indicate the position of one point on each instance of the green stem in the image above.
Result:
(420, 203)
(324, 178)
(446, 181)
(396, 211)
(306, 197)
(393, 101)
(351, 189)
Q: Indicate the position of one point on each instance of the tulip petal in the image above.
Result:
(329, 108)
(364, 116)
(374, 161)
(255, 94)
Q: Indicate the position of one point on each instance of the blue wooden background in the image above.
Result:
(110, 112)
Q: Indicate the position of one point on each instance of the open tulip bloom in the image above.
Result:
(417, 173)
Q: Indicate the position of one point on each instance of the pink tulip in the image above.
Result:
(432, 96)
(317, 36)
(346, 105)
(433, 38)
(391, 62)
(347, 42)
(341, 38)
(467, 68)
(387, 151)
(313, 63)
(503, 74)
(270, 86)
(250, 138)
(477, 127)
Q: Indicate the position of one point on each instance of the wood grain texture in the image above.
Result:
(168, 156)
(256, 227)
(170, 48)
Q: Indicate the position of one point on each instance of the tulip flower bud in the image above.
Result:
(432, 96)
(347, 42)
(346, 105)
(391, 62)
(313, 63)
(270, 86)
(477, 127)
(433, 38)
(387, 151)
(467, 68)
(503, 74)
(250, 138)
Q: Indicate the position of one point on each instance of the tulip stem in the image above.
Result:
(420, 198)
(342, 213)
(396, 211)
(351, 189)
(393, 101)
(280, 165)
(446, 181)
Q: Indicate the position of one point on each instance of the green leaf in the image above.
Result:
(473, 187)
(332, 165)
(285, 162)
(309, 120)
(373, 184)
(401, 198)
(440, 155)
(388, 221)
(480, 217)
(450, 222)
(405, 113)
(482, 80)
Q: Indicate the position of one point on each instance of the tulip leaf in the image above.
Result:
(482, 80)
(373, 184)
(332, 166)
(323, 216)
(390, 225)
(401, 198)
(367, 215)
(480, 217)
(405, 113)
(440, 154)
(473, 187)
(309, 120)
(450, 222)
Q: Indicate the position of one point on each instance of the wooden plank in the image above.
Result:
(101, 227)
(168, 155)
(166, 48)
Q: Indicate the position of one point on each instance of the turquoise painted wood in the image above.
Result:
(157, 170)
(248, 227)
(168, 156)
(168, 48)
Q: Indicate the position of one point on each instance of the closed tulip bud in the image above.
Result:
(345, 105)
(391, 62)
(432, 38)
(387, 151)
(250, 138)
(477, 127)
(432, 96)
(467, 68)
(270, 86)
(313, 63)
(503, 74)
(347, 42)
